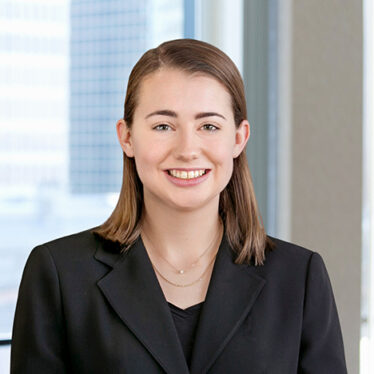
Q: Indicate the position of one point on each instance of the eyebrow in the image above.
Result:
(171, 113)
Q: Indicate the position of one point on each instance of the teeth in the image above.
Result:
(185, 174)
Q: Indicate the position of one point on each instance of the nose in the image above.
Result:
(187, 145)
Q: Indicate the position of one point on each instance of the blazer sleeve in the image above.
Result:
(38, 328)
(321, 349)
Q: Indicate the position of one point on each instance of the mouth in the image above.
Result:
(187, 174)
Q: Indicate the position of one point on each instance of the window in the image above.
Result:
(63, 75)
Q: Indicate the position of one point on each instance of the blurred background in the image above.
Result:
(308, 71)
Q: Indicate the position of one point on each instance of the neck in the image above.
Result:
(181, 236)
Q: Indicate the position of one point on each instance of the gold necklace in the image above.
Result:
(188, 284)
(183, 271)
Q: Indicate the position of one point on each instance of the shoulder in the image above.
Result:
(73, 246)
(75, 243)
(289, 261)
(286, 251)
(76, 249)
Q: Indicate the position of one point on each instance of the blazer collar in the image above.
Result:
(133, 291)
(108, 252)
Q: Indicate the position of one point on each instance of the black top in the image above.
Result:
(277, 318)
(186, 321)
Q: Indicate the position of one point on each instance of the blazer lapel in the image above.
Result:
(232, 292)
(133, 291)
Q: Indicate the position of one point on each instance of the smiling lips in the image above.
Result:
(187, 174)
(187, 178)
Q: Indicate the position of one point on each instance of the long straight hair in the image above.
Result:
(237, 204)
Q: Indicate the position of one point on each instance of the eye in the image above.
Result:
(162, 127)
(210, 127)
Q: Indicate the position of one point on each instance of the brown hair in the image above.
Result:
(237, 205)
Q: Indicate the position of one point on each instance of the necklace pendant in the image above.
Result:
(181, 271)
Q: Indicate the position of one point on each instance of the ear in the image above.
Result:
(124, 137)
(242, 135)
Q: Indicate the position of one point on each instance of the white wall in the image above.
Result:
(321, 120)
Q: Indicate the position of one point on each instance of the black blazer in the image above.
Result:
(83, 308)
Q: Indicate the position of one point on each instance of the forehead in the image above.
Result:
(176, 87)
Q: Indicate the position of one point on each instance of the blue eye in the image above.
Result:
(162, 127)
(210, 127)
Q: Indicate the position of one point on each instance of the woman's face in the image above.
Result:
(183, 125)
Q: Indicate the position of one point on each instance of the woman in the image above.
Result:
(182, 277)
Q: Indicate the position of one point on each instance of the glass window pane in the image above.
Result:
(63, 74)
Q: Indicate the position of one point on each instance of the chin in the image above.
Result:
(189, 206)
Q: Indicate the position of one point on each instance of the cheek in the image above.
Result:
(147, 159)
(147, 153)
(223, 151)
(223, 160)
